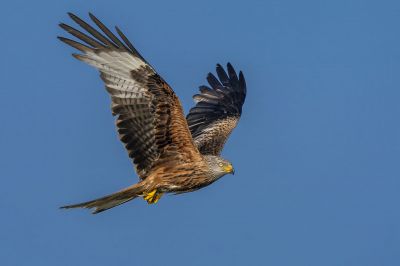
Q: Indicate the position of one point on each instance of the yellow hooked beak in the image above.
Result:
(229, 169)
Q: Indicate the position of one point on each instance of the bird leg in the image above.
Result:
(152, 197)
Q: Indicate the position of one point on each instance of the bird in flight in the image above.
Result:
(171, 153)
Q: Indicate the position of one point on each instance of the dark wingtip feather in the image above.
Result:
(229, 67)
(73, 16)
(218, 102)
(79, 46)
(129, 44)
(107, 32)
(95, 33)
(213, 81)
(223, 77)
(91, 15)
(64, 26)
(81, 36)
(232, 73)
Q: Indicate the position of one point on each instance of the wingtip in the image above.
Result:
(120, 33)
(63, 26)
(242, 81)
(63, 39)
(71, 15)
(75, 17)
(230, 67)
(219, 68)
(92, 17)
(210, 75)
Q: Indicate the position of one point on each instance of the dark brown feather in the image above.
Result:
(150, 119)
(217, 110)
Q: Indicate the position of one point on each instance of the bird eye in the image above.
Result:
(221, 164)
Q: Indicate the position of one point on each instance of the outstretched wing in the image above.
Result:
(217, 110)
(150, 119)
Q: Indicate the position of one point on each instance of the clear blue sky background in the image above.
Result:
(316, 153)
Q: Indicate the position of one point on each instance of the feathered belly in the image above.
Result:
(184, 182)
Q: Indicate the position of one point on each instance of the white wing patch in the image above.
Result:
(112, 62)
(116, 68)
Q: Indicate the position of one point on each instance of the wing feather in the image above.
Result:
(217, 110)
(150, 119)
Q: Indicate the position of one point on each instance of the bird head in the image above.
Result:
(219, 166)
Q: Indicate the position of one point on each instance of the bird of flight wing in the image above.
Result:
(150, 119)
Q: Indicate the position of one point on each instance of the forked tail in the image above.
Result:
(110, 201)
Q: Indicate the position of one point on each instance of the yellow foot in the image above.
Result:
(152, 197)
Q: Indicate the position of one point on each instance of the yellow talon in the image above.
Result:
(152, 197)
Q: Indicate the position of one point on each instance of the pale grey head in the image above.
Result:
(219, 166)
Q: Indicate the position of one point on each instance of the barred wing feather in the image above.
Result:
(150, 119)
(217, 110)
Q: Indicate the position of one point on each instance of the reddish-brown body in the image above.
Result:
(171, 153)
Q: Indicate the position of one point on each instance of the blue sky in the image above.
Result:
(316, 153)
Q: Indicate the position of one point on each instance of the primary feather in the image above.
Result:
(217, 110)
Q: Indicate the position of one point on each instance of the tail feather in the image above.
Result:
(110, 201)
